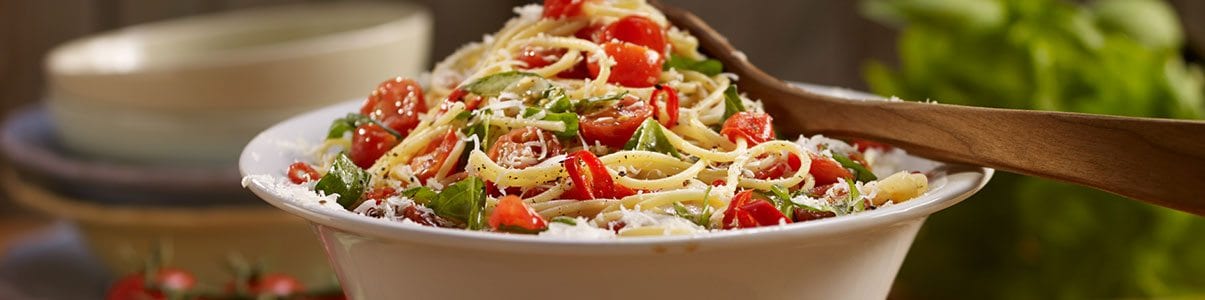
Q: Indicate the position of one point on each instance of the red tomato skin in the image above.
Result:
(460, 95)
(396, 103)
(515, 142)
(300, 172)
(635, 66)
(780, 169)
(637, 30)
(864, 145)
(512, 213)
(558, 9)
(593, 181)
(428, 163)
(744, 211)
(826, 170)
(613, 126)
(754, 127)
(368, 143)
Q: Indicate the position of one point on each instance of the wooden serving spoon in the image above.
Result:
(1159, 161)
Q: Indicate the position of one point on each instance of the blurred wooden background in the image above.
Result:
(815, 41)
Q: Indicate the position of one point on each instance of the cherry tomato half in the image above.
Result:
(754, 127)
(614, 125)
(637, 30)
(300, 172)
(671, 105)
(524, 147)
(512, 215)
(460, 95)
(748, 210)
(556, 9)
(428, 162)
(826, 170)
(368, 143)
(396, 103)
(635, 65)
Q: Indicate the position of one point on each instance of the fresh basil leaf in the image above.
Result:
(782, 200)
(564, 220)
(342, 126)
(463, 201)
(860, 172)
(559, 104)
(591, 103)
(493, 85)
(709, 67)
(732, 102)
(651, 137)
(481, 130)
(570, 120)
(345, 179)
(421, 195)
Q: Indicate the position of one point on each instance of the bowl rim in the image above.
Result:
(962, 181)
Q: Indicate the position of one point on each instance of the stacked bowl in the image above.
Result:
(139, 134)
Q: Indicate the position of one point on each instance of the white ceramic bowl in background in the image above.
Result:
(852, 257)
(196, 89)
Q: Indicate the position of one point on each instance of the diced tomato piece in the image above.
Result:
(780, 169)
(754, 127)
(512, 215)
(746, 210)
(864, 145)
(379, 194)
(826, 170)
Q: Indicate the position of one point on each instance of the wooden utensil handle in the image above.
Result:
(1161, 161)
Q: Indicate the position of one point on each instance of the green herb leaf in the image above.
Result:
(421, 195)
(463, 201)
(782, 200)
(709, 67)
(557, 101)
(855, 198)
(732, 102)
(493, 85)
(651, 137)
(342, 126)
(570, 120)
(481, 130)
(860, 172)
(345, 179)
(591, 103)
(564, 220)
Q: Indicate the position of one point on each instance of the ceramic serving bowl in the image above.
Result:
(129, 94)
(850, 257)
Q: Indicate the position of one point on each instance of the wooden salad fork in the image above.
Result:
(1159, 161)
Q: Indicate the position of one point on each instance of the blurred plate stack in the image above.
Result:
(138, 137)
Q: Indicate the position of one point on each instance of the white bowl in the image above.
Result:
(130, 93)
(851, 257)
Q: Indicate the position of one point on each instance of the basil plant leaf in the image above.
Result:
(651, 137)
(463, 201)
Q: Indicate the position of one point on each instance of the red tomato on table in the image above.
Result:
(165, 282)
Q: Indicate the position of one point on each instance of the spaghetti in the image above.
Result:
(594, 114)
